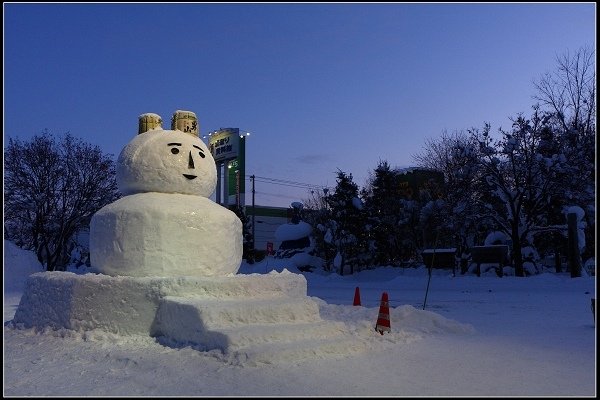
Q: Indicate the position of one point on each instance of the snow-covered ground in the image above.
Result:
(486, 336)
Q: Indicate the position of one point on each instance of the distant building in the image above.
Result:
(267, 220)
(413, 181)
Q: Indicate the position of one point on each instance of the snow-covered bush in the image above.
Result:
(495, 237)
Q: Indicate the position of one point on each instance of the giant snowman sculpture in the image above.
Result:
(165, 258)
(166, 225)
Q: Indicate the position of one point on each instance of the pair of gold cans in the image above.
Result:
(185, 121)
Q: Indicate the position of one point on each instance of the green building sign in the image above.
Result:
(228, 148)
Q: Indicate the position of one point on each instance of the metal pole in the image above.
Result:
(219, 165)
(237, 188)
(437, 235)
(253, 214)
(226, 183)
(573, 242)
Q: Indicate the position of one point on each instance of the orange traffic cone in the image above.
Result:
(383, 320)
(356, 297)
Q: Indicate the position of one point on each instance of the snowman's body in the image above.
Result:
(165, 234)
(165, 225)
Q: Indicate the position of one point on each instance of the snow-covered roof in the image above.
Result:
(291, 231)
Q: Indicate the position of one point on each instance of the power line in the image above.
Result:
(288, 185)
(277, 195)
(308, 187)
(285, 182)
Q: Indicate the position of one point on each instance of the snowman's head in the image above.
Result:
(167, 161)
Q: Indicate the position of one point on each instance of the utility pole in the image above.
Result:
(573, 243)
(253, 215)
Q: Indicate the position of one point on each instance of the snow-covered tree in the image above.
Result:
(318, 215)
(518, 183)
(347, 230)
(568, 95)
(384, 212)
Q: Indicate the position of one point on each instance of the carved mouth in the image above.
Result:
(190, 176)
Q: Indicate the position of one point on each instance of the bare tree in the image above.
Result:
(51, 190)
(570, 91)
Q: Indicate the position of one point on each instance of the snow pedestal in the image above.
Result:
(253, 317)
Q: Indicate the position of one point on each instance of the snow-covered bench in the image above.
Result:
(439, 258)
(494, 254)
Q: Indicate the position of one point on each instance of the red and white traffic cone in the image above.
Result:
(356, 297)
(383, 320)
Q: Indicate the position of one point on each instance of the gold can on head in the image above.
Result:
(185, 121)
(149, 121)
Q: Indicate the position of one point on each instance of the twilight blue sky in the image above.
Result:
(320, 86)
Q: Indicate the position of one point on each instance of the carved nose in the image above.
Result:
(191, 161)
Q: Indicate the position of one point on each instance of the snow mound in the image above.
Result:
(293, 231)
(405, 320)
(18, 265)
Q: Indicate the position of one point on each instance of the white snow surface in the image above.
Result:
(576, 210)
(484, 336)
(495, 238)
(580, 224)
(291, 231)
(357, 203)
(19, 265)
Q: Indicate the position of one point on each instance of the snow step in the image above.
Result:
(214, 323)
(231, 339)
(299, 350)
(225, 313)
(259, 330)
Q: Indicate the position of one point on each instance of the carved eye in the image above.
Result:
(175, 150)
(201, 154)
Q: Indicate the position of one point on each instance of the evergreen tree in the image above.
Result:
(347, 230)
(384, 210)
